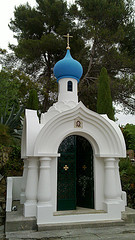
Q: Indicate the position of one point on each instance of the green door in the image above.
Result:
(66, 186)
(84, 173)
(75, 186)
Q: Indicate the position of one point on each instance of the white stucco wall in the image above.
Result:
(13, 191)
(65, 95)
(42, 143)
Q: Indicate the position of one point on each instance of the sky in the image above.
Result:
(6, 36)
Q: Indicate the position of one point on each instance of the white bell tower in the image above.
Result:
(68, 88)
(68, 72)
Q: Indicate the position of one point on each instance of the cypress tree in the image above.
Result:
(104, 99)
(33, 100)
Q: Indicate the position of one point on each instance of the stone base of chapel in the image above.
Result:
(15, 220)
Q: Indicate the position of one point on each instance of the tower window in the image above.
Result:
(70, 86)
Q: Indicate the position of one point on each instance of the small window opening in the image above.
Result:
(70, 86)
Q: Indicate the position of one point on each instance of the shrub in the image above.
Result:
(14, 165)
(127, 174)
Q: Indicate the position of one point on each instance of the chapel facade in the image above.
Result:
(71, 158)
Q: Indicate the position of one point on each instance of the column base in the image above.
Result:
(30, 209)
(22, 198)
(44, 213)
(114, 209)
(124, 197)
(122, 205)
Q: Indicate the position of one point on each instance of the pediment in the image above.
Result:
(104, 134)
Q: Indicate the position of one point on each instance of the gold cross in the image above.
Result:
(68, 36)
(66, 167)
(84, 167)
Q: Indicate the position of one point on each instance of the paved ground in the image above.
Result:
(121, 230)
(126, 232)
(2, 232)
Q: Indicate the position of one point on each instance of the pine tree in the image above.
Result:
(39, 32)
(104, 35)
(104, 99)
(109, 29)
(33, 100)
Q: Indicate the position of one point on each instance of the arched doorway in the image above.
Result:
(75, 185)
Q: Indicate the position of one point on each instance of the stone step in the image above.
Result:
(129, 215)
(15, 221)
(81, 225)
(126, 232)
(20, 225)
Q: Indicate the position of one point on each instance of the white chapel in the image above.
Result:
(71, 158)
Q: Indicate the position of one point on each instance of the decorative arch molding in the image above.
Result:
(31, 128)
(83, 134)
(24, 140)
(103, 134)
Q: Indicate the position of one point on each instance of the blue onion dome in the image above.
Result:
(68, 68)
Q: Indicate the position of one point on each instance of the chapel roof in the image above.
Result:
(68, 68)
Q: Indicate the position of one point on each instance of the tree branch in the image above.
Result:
(91, 60)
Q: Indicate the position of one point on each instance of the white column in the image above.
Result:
(44, 185)
(24, 179)
(44, 206)
(118, 182)
(31, 188)
(110, 180)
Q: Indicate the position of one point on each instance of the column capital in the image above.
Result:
(25, 161)
(33, 162)
(32, 158)
(45, 158)
(109, 159)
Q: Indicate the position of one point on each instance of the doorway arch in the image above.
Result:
(75, 181)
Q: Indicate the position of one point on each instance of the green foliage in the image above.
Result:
(14, 165)
(5, 137)
(14, 88)
(129, 135)
(10, 135)
(8, 91)
(104, 100)
(39, 33)
(128, 43)
(103, 36)
(33, 100)
(125, 89)
(127, 174)
(106, 19)
(106, 26)
(11, 126)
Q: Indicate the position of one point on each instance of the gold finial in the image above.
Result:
(68, 36)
